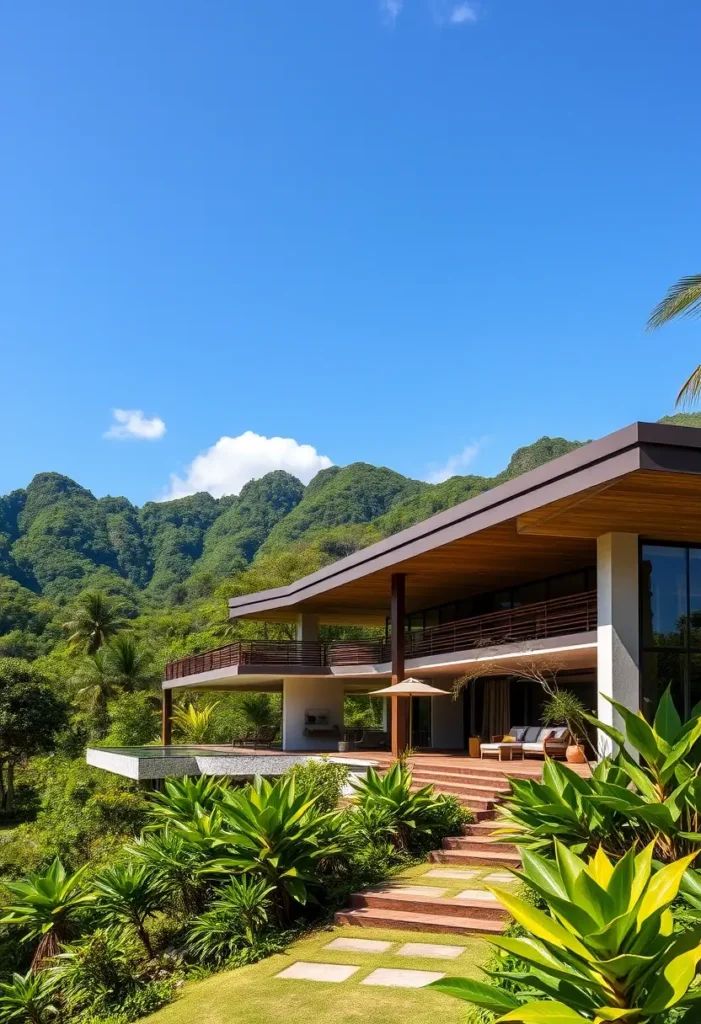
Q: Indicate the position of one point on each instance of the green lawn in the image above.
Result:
(253, 995)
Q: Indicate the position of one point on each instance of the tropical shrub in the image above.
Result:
(605, 949)
(273, 831)
(28, 997)
(235, 918)
(322, 779)
(184, 800)
(370, 824)
(562, 806)
(47, 907)
(665, 801)
(194, 724)
(128, 893)
(625, 802)
(177, 865)
(413, 812)
(98, 970)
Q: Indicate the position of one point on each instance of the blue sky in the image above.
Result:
(391, 231)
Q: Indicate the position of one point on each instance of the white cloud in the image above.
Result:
(463, 14)
(132, 424)
(233, 461)
(391, 9)
(456, 463)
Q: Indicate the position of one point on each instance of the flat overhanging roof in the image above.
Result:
(644, 479)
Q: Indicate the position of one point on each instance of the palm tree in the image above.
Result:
(48, 906)
(128, 664)
(96, 688)
(129, 893)
(682, 300)
(96, 619)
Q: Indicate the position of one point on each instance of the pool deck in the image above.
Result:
(156, 762)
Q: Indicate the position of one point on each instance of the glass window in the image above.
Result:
(663, 596)
(530, 593)
(565, 586)
(431, 617)
(695, 597)
(660, 668)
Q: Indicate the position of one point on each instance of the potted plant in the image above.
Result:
(563, 707)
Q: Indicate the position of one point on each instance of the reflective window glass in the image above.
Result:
(663, 596)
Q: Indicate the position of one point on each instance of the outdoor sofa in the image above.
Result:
(533, 740)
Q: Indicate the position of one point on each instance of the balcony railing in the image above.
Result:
(557, 617)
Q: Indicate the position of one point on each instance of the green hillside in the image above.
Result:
(57, 538)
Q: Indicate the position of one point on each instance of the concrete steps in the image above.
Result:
(394, 899)
(478, 844)
(496, 858)
(373, 917)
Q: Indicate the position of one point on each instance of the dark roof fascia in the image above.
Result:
(640, 445)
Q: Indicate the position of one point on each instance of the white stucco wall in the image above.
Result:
(618, 639)
(301, 695)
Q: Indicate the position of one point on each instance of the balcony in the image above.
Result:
(544, 619)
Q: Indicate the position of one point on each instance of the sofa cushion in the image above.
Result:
(532, 734)
(517, 731)
(560, 733)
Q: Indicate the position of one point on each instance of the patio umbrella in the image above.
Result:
(410, 688)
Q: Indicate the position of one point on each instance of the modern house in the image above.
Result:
(589, 566)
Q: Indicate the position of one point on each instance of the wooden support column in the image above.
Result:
(400, 705)
(167, 718)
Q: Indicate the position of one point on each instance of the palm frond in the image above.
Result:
(690, 391)
(682, 300)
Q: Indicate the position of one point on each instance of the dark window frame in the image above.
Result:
(687, 650)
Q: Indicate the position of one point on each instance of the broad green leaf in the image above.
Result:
(543, 1012)
(536, 954)
(544, 872)
(609, 730)
(674, 981)
(663, 887)
(489, 997)
(679, 751)
(639, 734)
(643, 869)
(539, 924)
(569, 866)
(667, 722)
(600, 868)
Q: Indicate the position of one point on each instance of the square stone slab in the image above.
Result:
(500, 878)
(450, 873)
(430, 949)
(476, 894)
(303, 971)
(359, 945)
(391, 978)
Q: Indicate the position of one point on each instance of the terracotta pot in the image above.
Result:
(576, 755)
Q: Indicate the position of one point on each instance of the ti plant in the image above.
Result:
(626, 801)
(562, 806)
(665, 798)
(605, 951)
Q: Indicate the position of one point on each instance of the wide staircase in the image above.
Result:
(414, 908)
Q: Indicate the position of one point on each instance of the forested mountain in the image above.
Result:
(57, 538)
